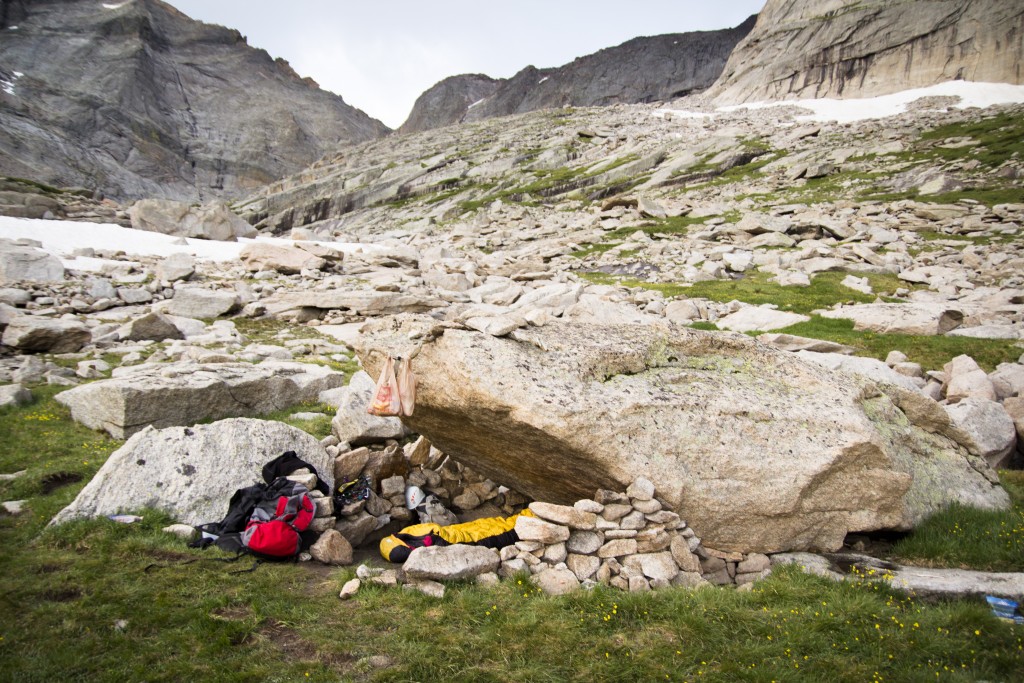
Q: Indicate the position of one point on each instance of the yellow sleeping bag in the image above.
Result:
(492, 532)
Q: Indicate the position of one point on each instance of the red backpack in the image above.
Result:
(274, 530)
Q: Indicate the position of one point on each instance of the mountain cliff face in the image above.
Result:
(854, 48)
(448, 101)
(648, 69)
(136, 100)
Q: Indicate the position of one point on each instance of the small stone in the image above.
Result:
(615, 511)
(554, 553)
(510, 568)
(587, 505)
(571, 517)
(467, 500)
(556, 581)
(754, 562)
(686, 560)
(534, 529)
(634, 520)
(332, 548)
(617, 548)
(584, 542)
(180, 530)
(389, 577)
(583, 566)
(641, 489)
(432, 589)
(13, 507)
(350, 588)
(324, 506)
(604, 497)
(392, 486)
(647, 507)
(489, 579)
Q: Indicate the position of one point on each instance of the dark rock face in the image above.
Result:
(848, 48)
(137, 100)
(648, 69)
(448, 101)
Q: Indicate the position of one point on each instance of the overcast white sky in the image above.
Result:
(380, 56)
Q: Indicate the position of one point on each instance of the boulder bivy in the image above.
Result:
(490, 532)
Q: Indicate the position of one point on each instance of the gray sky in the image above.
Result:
(380, 56)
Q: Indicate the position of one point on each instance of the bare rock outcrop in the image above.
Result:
(755, 449)
(191, 472)
(137, 100)
(846, 48)
(645, 69)
(183, 393)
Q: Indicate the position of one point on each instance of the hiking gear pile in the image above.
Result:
(269, 520)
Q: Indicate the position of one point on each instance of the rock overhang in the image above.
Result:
(755, 448)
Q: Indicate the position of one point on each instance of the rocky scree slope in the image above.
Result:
(848, 48)
(645, 69)
(136, 100)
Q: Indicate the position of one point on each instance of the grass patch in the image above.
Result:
(96, 600)
(1000, 138)
(755, 288)
(930, 351)
(966, 537)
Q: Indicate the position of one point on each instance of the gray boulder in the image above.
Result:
(191, 472)
(451, 563)
(32, 334)
(26, 263)
(869, 368)
(154, 326)
(924, 319)
(754, 448)
(211, 222)
(985, 429)
(196, 302)
(177, 266)
(284, 259)
(1008, 380)
(183, 393)
(352, 424)
(554, 581)
(753, 318)
(14, 395)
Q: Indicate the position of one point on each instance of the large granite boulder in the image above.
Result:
(191, 472)
(32, 334)
(26, 263)
(926, 319)
(756, 449)
(284, 259)
(183, 393)
(211, 222)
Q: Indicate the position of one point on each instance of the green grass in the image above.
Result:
(1000, 138)
(931, 351)
(96, 600)
(966, 537)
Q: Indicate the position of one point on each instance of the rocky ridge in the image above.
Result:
(847, 48)
(646, 69)
(137, 100)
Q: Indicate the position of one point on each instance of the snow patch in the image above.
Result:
(542, 80)
(971, 94)
(117, 6)
(476, 103)
(61, 238)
